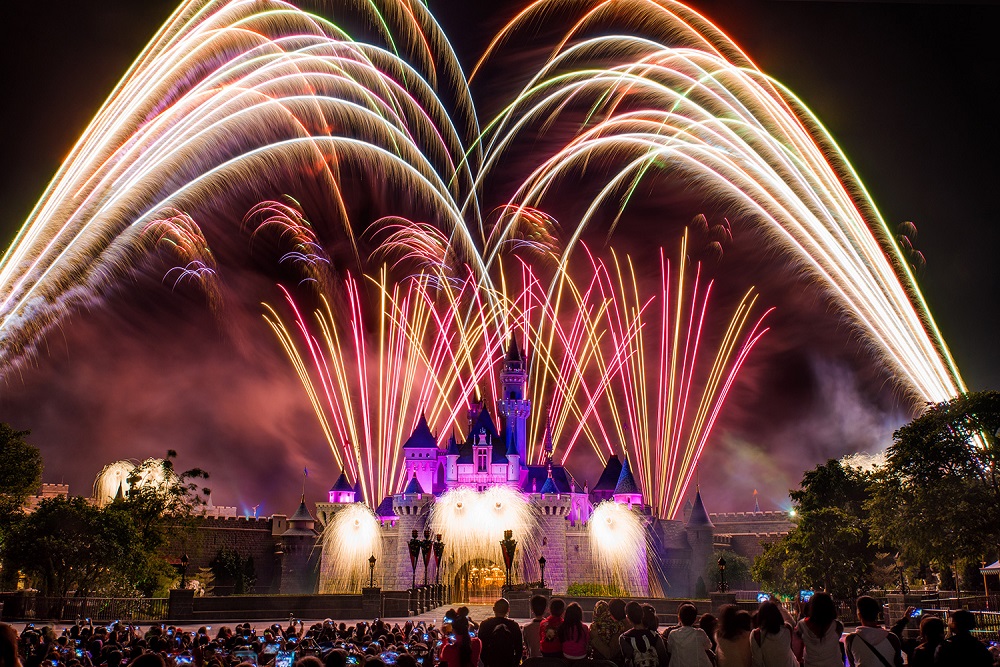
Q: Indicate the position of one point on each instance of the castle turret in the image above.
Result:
(451, 461)
(627, 490)
(513, 406)
(700, 536)
(513, 462)
(298, 564)
(342, 491)
(420, 452)
(411, 508)
(605, 487)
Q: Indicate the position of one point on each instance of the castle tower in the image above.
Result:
(342, 492)
(700, 536)
(627, 490)
(451, 461)
(412, 507)
(513, 407)
(298, 562)
(420, 453)
(605, 487)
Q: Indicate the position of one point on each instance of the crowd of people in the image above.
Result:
(620, 635)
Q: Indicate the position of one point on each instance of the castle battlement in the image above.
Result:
(770, 515)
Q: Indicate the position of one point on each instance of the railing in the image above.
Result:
(96, 609)
(987, 622)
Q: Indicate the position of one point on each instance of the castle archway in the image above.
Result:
(479, 581)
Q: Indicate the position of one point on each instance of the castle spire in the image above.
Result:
(756, 505)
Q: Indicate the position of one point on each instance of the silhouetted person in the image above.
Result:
(574, 634)
(871, 645)
(816, 640)
(771, 641)
(932, 636)
(501, 638)
(687, 645)
(733, 637)
(531, 631)
(549, 641)
(640, 646)
(961, 649)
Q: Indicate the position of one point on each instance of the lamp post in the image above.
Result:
(414, 546)
(426, 547)
(371, 572)
(438, 553)
(902, 576)
(541, 566)
(184, 569)
(722, 574)
(508, 545)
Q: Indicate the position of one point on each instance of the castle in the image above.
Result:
(677, 551)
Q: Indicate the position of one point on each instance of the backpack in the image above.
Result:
(645, 657)
(499, 650)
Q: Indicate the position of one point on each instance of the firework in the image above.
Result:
(352, 536)
(472, 523)
(618, 545)
(369, 386)
(121, 477)
(677, 95)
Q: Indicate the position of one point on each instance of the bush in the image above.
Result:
(596, 590)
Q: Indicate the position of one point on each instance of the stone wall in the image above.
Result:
(553, 511)
(751, 522)
(248, 537)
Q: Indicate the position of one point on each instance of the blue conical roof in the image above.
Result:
(342, 485)
(626, 482)
(421, 438)
(413, 487)
(549, 486)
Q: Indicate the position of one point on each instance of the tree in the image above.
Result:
(68, 545)
(20, 472)
(937, 499)
(830, 547)
(231, 569)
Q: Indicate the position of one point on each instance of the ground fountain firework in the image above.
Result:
(351, 537)
(618, 546)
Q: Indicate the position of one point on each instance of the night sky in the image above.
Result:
(909, 90)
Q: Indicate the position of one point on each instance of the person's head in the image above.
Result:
(501, 608)
(744, 621)
(374, 661)
(460, 626)
(572, 625)
(148, 660)
(769, 617)
(557, 607)
(868, 610)
(708, 623)
(617, 609)
(932, 629)
(961, 621)
(309, 661)
(687, 614)
(601, 611)
(822, 611)
(8, 646)
(539, 604)
(406, 660)
(649, 619)
(463, 611)
(633, 612)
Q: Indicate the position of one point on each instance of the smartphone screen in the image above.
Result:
(284, 659)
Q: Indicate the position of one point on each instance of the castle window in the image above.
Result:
(482, 457)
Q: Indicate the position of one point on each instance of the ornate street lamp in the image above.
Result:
(426, 547)
(371, 572)
(722, 574)
(541, 565)
(184, 569)
(508, 545)
(438, 553)
(414, 546)
(902, 577)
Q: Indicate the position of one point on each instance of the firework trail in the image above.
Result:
(233, 101)
(236, 98)
(673, 93)
(372, 368)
